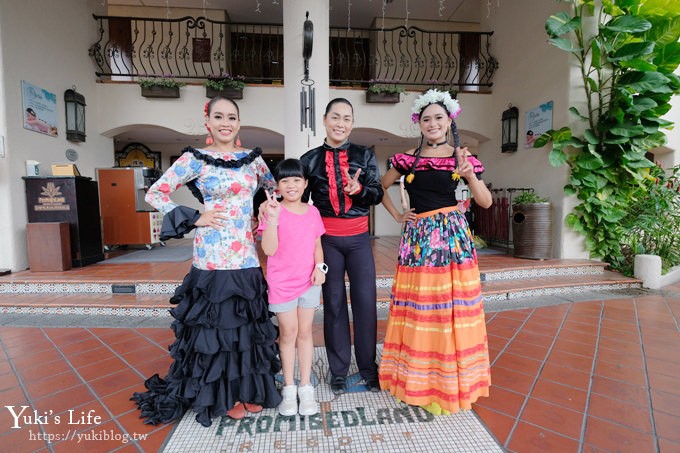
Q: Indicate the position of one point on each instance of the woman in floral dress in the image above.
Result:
(435, 353)
(225, 356)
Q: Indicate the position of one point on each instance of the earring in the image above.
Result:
(208, 139)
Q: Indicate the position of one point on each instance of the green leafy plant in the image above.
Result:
(166, 81)
(529, 197)
(224, 81)
(652, 225)
(627, 52)
(384, 86)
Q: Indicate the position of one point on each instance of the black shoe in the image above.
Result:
(338, 384)
(373, 384)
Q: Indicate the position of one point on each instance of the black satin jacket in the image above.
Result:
(358, 157)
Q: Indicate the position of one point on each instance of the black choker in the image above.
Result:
(431, 145)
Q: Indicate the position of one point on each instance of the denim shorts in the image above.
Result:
(309, 299)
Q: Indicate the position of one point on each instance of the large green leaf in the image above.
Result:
(595, 54)
(665, 8)
(668, 57)
(628, 24)
(616, 141)
(638, 65)
(590, 162)
(627, 130)
(642, 103)
(561, 23)
(591, 137)
(660, 122)
(643, 81)
(557, 157)
(575, 111)
(564, 44)
(632, 50)
(664, 31)
(614, 215)
(543, 139)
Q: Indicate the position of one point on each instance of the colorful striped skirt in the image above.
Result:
(436, 353)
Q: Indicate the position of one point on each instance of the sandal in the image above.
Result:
(237, 412)
(254, 408)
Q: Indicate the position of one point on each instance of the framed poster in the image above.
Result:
(201, 50)
(39, 109)
(538, 121)
(138, 155)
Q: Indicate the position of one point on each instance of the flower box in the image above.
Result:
(382, 97)
(229, 93)
(160, 92)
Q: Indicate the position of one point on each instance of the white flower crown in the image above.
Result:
(432, 97)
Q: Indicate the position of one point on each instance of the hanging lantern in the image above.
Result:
(75, 115)
(509, 129)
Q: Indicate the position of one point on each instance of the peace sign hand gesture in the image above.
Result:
(272, 208)
(464, 168)
(353, 185)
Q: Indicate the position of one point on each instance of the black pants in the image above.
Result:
(352, 254)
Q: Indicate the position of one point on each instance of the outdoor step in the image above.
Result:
(557, 284)
(157, 305)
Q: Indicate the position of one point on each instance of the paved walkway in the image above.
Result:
(599, 375)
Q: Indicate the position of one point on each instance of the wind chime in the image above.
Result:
(307, 96)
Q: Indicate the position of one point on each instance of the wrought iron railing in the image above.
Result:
(494, 224)
(197, 48)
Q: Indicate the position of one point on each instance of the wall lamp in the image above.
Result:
(509, 129)
(75, 115)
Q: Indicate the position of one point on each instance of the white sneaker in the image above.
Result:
(289, 405)
(308, 404)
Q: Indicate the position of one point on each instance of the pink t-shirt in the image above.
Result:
(289, 270)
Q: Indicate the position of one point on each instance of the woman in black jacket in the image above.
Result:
(344, 182)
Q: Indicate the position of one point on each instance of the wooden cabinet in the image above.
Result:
(73, 200)
(49, 246)
(126, 218)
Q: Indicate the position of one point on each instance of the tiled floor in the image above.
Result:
(588, 376)
(602, 375)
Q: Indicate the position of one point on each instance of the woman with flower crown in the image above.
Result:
(435, 353)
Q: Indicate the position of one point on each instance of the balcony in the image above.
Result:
(195, 48)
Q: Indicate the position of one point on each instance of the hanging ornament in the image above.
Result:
(349, 13)
(408, 13)
(384, 4)
(167, 9)
(441, 8)
(257, 8)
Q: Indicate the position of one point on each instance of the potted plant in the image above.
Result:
(160, 87)
(627, 56)
(532, 226)
(383, 91)
(225, 85)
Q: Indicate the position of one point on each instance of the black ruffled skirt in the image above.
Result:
(224, 352)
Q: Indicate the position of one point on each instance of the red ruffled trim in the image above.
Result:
(333, 183)
(344, 168)
(403, 162)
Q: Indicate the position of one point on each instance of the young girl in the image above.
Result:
(291, 238)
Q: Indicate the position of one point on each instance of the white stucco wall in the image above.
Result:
(44, 43)
(531, 73)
